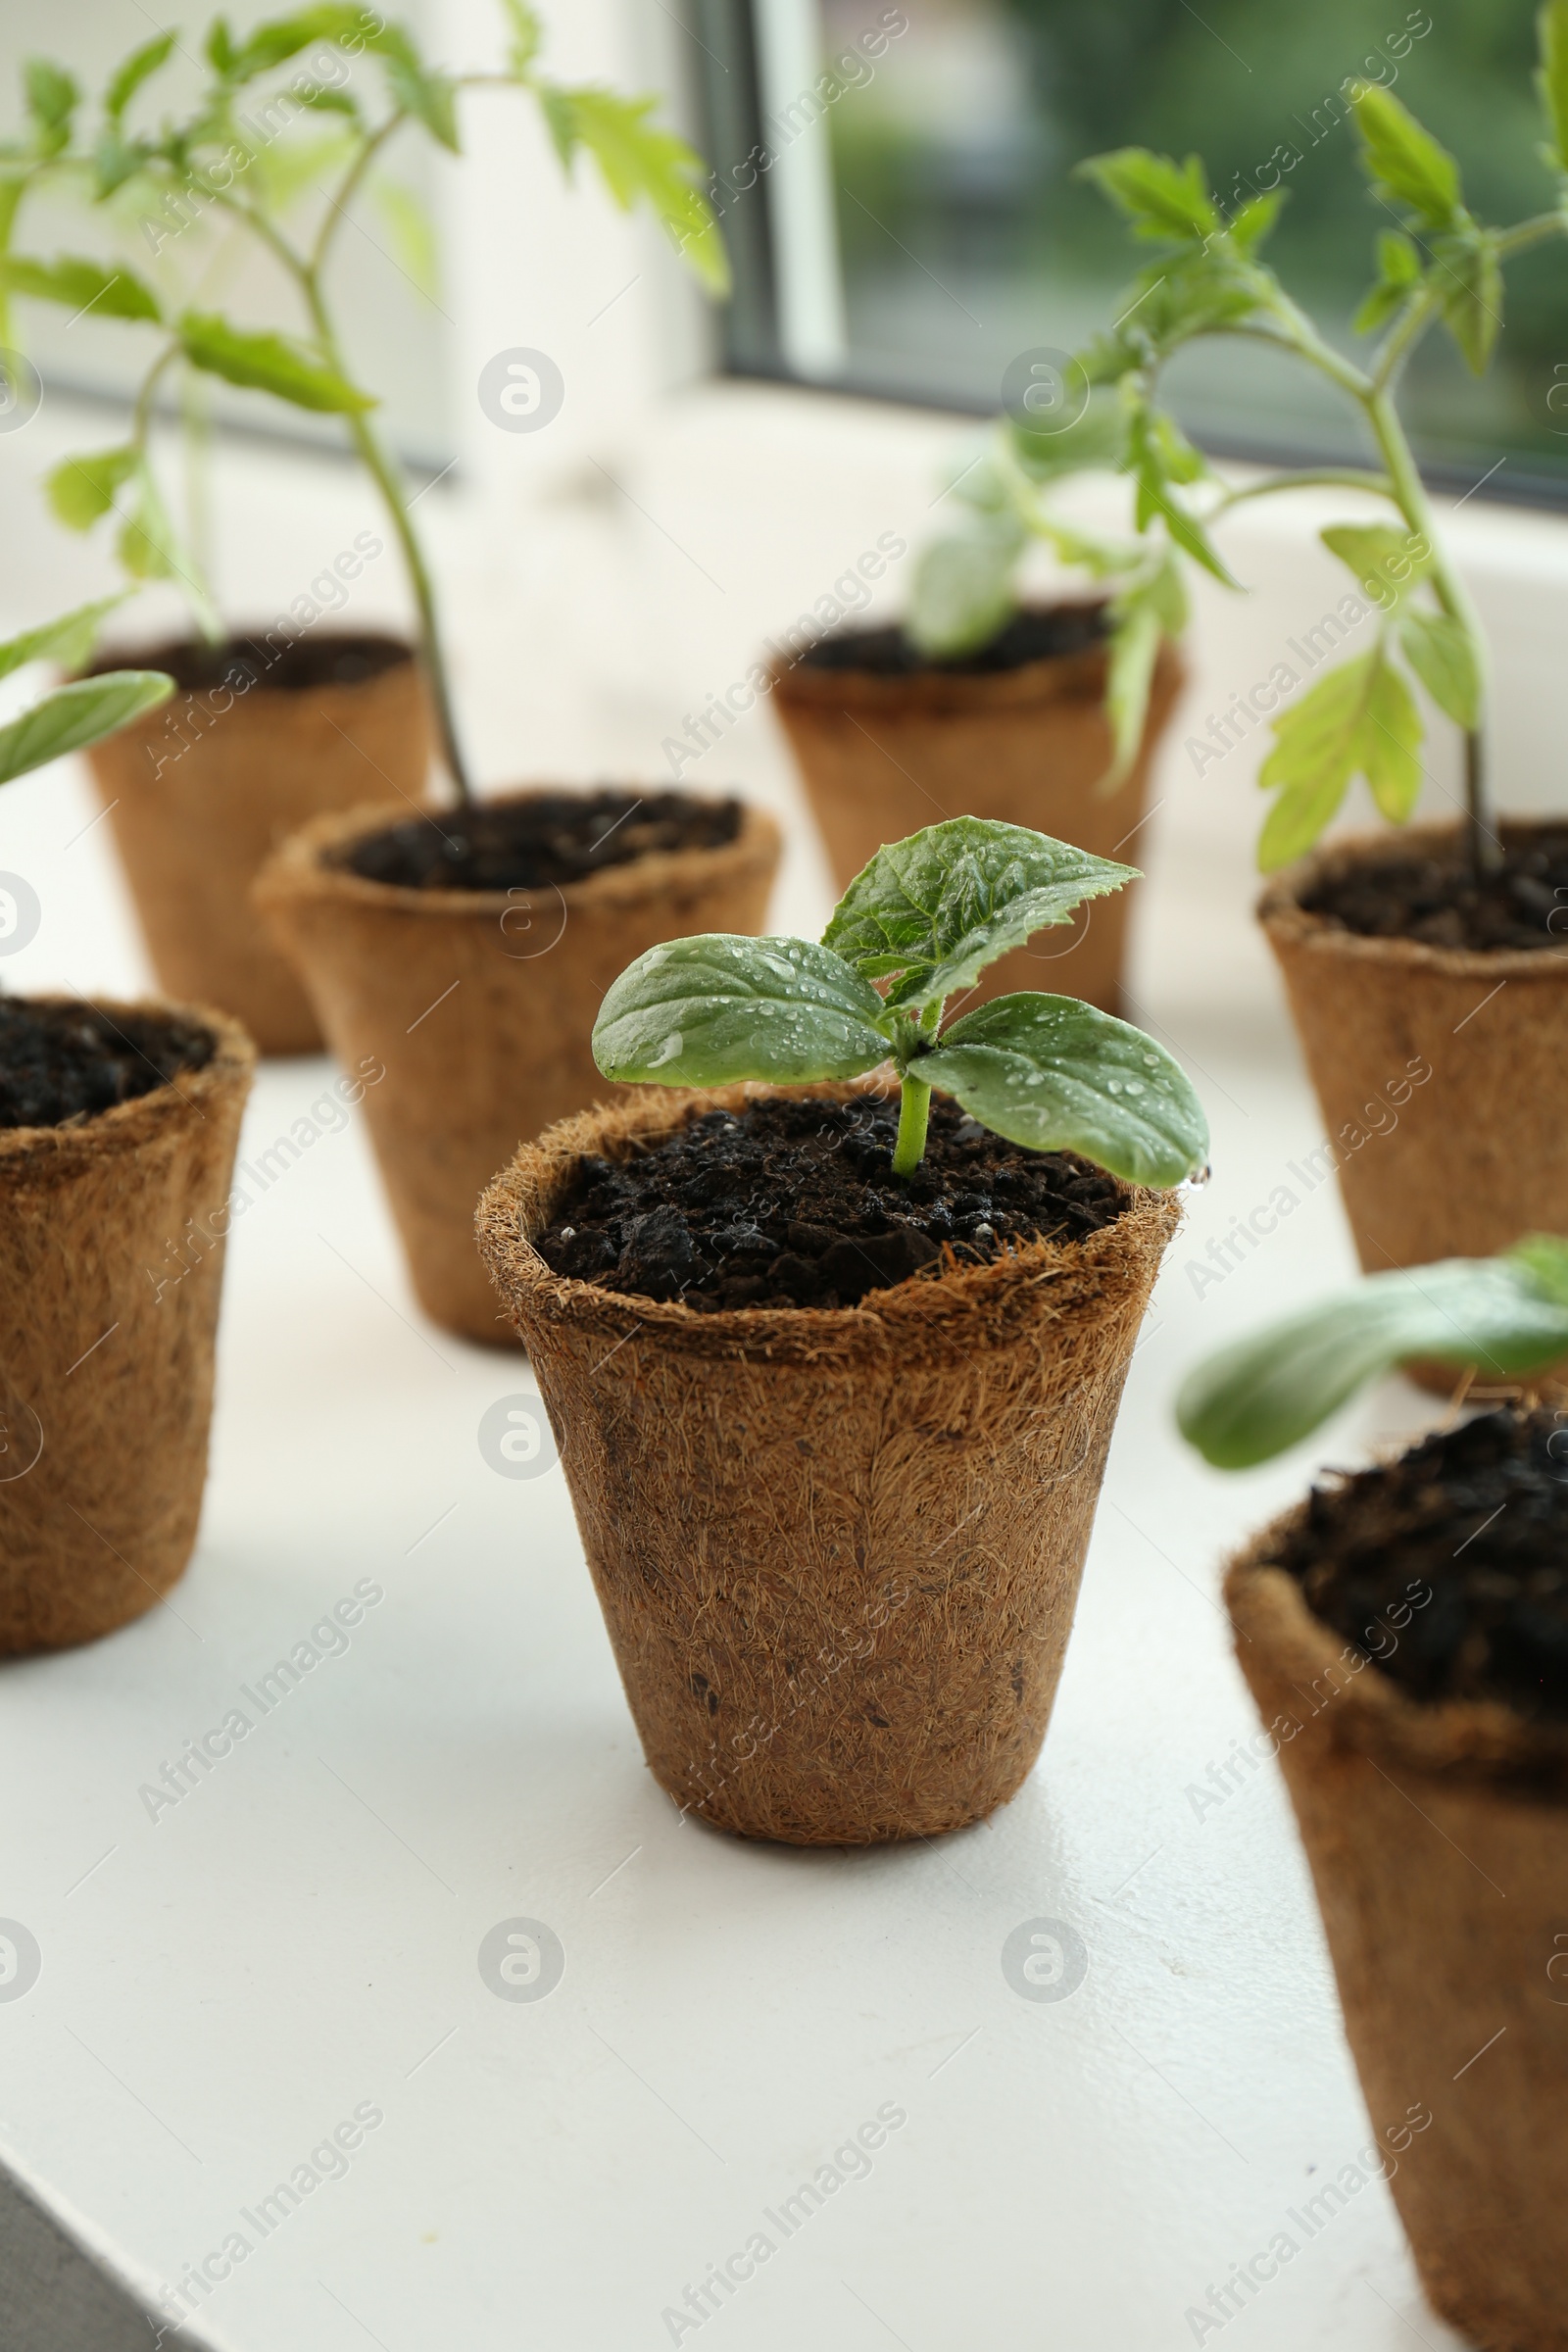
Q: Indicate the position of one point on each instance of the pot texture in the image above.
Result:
(1437, 1838)
(108, 1313)
(838, 1551)
(479, 1007)
(1468, 1158)
(882, 757)
(201, 791)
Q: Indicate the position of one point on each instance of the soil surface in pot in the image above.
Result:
(60, 1063)
(242, 663)
(796, 1205)
(1440, 902)
(1477, 1516)
(1039, 634)
(548, 839)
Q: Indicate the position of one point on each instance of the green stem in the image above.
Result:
(1309, 478)
(914, 1110)
(377, 463)
(1410, 496)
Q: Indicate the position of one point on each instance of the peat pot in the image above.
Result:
(1017, 735)
(111, 1261)
(1437, 1838)
(1442, 1073)
(261, 736)
(476, 1005)
(838, 1550)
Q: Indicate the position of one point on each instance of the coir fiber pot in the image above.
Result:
(480, 1005)
(838, 1550)
(883, 754)
(108, 1317)
(201, 791)
(1437, 1838)
(1465, 1160)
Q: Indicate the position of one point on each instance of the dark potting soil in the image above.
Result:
(63, 1063)
(1440, 902)
(796, 1205)
(290, 665)
(1037, 634)
(548, 839)
(1478, 1516)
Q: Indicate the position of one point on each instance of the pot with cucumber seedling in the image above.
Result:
(1404, 1631)
(117, 1130)
(467, 954)
(293, 722)
(832, 1336)
(1443, 952)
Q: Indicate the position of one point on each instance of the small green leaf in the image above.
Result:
(52, 99)
(638, 160)
(137, 68)
(1398, 277)
(145, 544)
(429, 96)
(1468, 277)
(81, 285)
(1163, 200)
(1253, 225)
(707, 1011)
(962, 592)
(76, 715)
(116, 159)
(527, 36)
(941, 905)
(1134, 640)
(1386, 563)
(68, 640)
(83, 490)
(1391, 745)
(1254, 1399)
(274, 44)
(1057, 1075)
(412, 231)
(1352, 721)
(1404, 162)
(1441, 651)
(267, 364)
(222, 54)
(1552, 31)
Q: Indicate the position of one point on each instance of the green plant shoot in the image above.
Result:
(280, 163)
(1507, 1314)
(924, 918)
(1436, 264)
(71, 718)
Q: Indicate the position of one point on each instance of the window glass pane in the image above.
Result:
(961, 237)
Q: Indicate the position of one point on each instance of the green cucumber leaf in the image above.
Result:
(707, 1011)
(1057, 1075)
(1252, 1399)
(963, 590)
(939, 906)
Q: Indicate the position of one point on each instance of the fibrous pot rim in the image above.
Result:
(127, 1126)
(1289, 925)
(1457, 1740)
(1052, 678)
(302, 867)
(930, 1316)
